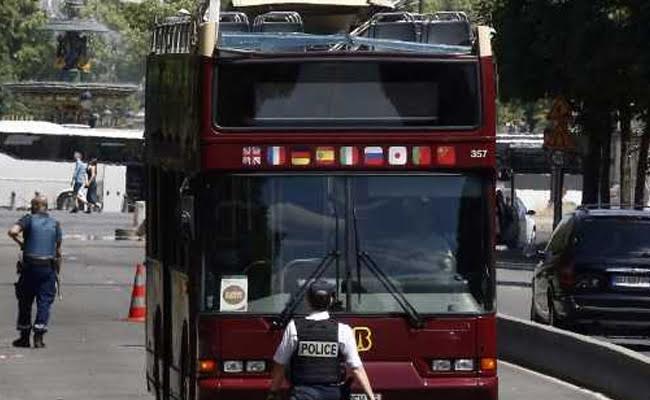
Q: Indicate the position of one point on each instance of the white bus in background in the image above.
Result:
(36, 156)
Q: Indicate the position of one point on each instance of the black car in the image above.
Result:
(595, 272)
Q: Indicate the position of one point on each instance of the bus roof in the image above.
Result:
(323, 3)
(290, 42)
(49, 128)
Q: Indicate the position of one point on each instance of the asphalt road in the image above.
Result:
(514, 275)
(92, 354)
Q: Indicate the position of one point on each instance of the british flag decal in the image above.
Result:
(251, 156)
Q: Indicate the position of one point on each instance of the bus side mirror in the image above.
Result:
(187, 218)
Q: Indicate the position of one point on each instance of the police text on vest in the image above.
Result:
(318, 349)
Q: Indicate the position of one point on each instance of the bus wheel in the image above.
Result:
(65, 201)
(184, 380)
(156, 356)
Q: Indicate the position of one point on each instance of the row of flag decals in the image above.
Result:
(348, 155)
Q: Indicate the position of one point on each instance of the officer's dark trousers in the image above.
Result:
(36, 282)
(315, 392)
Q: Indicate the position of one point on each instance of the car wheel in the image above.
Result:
(553, 319)
(65, 201)
(533, 237)
(534, 316)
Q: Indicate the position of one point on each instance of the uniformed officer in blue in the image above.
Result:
(316, 350)
(41, 246)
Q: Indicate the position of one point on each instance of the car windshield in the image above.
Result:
(427, 233)
(614, 237)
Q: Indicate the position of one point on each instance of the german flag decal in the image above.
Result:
(300, 156)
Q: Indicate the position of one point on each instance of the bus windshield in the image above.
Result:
(427, 234)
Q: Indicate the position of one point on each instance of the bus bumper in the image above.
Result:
(452, 388)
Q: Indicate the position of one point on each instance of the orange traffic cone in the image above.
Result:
(138, 309)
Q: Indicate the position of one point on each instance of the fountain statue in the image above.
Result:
(73, 98)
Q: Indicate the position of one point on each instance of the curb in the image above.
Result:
(612, 370)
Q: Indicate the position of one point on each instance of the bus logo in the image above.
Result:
(363, 336)
(233, 294)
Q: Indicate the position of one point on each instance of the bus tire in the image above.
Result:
(65, 201)
(183, 384)
(157, 342)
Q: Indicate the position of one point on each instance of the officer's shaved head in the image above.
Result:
(39, 203)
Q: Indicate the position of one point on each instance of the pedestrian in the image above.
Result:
(91, 185)
(316, 350)
(41, 247)
(78, 181)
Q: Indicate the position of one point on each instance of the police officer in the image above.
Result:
(314, 349)
(41, 246)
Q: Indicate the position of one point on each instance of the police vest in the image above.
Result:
(41, 233)
(317, 358)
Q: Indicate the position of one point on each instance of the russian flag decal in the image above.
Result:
(373, 155)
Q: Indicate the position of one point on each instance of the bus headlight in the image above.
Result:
(441, 365)
(464, 364)
(255, 366)
(233, 366)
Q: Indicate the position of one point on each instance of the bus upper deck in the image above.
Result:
(278, 154)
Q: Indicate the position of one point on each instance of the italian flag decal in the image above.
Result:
(349, 155)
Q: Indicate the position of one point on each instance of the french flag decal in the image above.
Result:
(276, 155)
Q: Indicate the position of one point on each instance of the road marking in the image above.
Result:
(516, 266)
(77, 236)
(557, 381)
(514, 283)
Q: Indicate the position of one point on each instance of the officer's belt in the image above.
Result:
(38, 261)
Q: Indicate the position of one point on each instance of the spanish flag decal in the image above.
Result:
(325, 155)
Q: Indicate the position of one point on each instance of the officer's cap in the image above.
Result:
(323, 286)
(320, 294)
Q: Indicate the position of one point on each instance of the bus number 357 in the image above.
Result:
(478, 153)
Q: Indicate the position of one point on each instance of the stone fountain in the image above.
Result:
(73, 98)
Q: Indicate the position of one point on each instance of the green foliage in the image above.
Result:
(120, 55)
(22, 45)
(595, 53)
(430, 6)
(532, 114)
(582, 49)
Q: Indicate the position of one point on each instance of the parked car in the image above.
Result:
(518, 230)
(595, 272)
(527, 229)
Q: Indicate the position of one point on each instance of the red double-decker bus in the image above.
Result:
(277, 156)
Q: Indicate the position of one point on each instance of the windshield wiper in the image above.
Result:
(291, 306)
(332, 255)
(414, 317)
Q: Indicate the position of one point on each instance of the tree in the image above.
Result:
(583, 50)
(640, 26)
(22, 47)
(121, 55)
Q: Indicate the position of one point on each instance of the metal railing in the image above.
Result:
(612, 206)
(176, 35)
